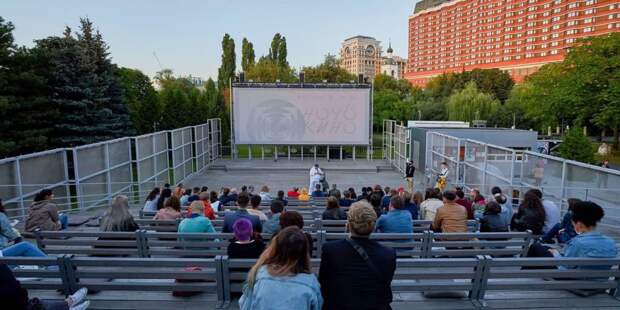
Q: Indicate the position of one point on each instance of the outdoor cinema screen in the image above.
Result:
(335, 116)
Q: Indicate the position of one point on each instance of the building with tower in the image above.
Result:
(518, 36)
(361, 55)
(393, 65)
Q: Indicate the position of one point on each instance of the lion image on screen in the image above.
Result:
(276, 120)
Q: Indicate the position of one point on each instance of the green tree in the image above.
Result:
(329, 71)
(275, 47)
(141, 97)
(594, 77)
(492, 81)
(282, 53)
(26, 116)
(385, 82)
(576, 146)
(227, 70)
(267, 71)
(470, 104)
(247, 55)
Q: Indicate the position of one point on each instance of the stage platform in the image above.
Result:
(284, 174)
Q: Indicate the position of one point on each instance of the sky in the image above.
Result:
(186, 35)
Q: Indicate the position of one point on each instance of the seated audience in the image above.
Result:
(185, 197)
(530, 215)
(410, 205)
(11, 243)
(365, 194)
(196, 222)
(205, 199)
(451, 217)
(432, 202)
(504, 203)
(272, 225)
(353, 194)
(377, 189)
(293, 218)
(478, 204)
(552, 211)
(293, 193)
(356, 273)
(385, 200)
(171, 210)
(254, 207)
(227, 196)
(588, 242)
(179, 191)
(492, 220)
(150, 203)
(15, 297)
(194, 196)
(282, 198)
(460, 199)
(43, 213)
(418, 199)
(375, 201)
(283, 267)
(564, 231)
(215, 203)
(303, 195)
(397, 220)
(243, 245)
(264, 194)
(333, 211)
(117, 216)
(204, 189)
(231, 217)
(318, 192)
(346, 201)
(334, 192)
(163, 197)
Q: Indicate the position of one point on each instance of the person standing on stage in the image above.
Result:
(315, 176)
(442, 177)
(409, 172)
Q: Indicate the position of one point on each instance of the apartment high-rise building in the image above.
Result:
(361, 55)
(518, 36)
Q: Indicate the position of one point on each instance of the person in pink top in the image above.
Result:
(170, 211)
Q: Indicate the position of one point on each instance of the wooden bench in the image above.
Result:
(159, 225)
(96, 243)
(477, 243)
(418, 225)
(40, 273)
(406, 245)
(505, 277)
(412, 275)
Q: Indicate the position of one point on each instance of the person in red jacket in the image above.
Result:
(293, 193)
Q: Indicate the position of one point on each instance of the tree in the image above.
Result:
(275, 47)
(594, 77)
(247, 55)
(227, 70)
(329, 71)
(470, 104)
(576, 146)
(267, 71)
(141, 97)
(385, 82)
(282, 53)
(492, 81)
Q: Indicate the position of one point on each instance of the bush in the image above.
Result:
(576, 146)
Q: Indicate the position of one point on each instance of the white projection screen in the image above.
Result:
(321, 116)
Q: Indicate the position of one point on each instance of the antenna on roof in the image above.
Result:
(158, 62)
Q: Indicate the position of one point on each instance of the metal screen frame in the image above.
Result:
(149, 170)
(181, 142)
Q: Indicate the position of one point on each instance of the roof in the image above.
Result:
(360, 37)
(427, 4)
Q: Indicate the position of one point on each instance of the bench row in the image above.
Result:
(311, 224)
(223, 276)
(144, 243)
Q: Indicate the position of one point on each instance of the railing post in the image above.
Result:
(484, 172)
(76, 173)
(20, 190)
(563, 185)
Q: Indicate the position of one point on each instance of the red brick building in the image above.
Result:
(518, 36)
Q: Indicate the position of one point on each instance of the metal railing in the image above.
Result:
(90, 175)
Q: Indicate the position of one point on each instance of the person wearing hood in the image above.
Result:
(43, 214)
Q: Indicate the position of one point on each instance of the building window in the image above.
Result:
(590, 2)
(573, 5)
(554, 52)
(589, 11)
(587, 29)
(587, 20)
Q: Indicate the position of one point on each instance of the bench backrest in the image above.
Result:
(543, 274)
(473, 244)
(406, 245)
(97, 243)
(41, 273)
(418, 225)
(158, 225)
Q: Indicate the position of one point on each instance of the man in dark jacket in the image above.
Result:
(409, 172)
(348, 281)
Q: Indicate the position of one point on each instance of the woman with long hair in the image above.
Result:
(530, 215)
(150, 203)
(11, 243)
(43, 213)
(333, 210)
(163, 197)
(283, 267)
(117, 217)
(171, 210)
